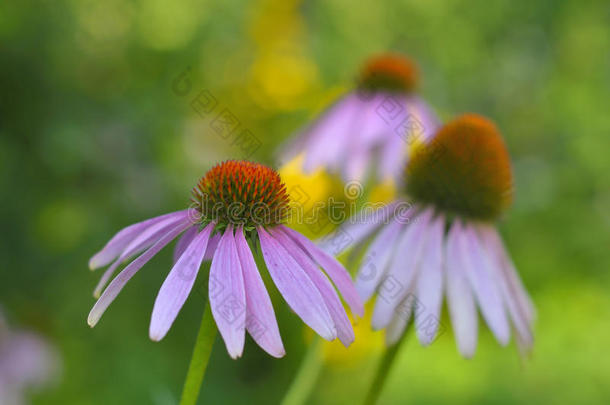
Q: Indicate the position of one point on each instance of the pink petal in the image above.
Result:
(178, 284)
(337, 273)
(296, 287)
(429, 286)
(345, 332)
(121, 239)
(329, 134)
(141, 242)
(511, 295)
(393, 158)
(128, 272)
(512, 277)
(184, 241)
(260, 317)
(401, 318)
(227, 294)
(460, 300)
(486, 291)
(357, 229)
(402, 272)
(212, 245)
(376, 259)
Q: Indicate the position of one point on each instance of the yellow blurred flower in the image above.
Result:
(309, 191)
(367, 343)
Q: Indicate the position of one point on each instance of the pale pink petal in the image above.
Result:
(329, 135)
(337, 273)
(376, 125)
(212, 245)
(227, 294)
(260, 317)
(345, 332)
(128, 272)
(178, 284)
(510, 294)
(357, 229)
(403, 270)
(140, 243)
(512, 277)
(479, 272)
(296, 287)
(460, 299)
(118, 242)
(401, 317)
(184, 241)
(393, 158)
(356, 165)
(429, 285)
(377, 259)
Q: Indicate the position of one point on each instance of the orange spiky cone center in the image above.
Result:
(465, 171)
(239, 192)
(390, 72)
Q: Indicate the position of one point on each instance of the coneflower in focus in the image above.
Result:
(236, 205)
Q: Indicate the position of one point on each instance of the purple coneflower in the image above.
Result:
(27, 361)
(378, 121)
(447, 244)
(235, 202)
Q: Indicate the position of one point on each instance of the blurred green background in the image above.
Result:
(95, 135)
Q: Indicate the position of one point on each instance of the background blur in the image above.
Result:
(97, 131)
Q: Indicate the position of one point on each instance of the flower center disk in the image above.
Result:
(389, 72)
(465, 171)
(241, 193)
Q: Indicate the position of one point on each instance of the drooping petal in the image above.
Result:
(376, 260)
(403, 270)
(460, 299)
(357, 229)
(478, 271)
(178, 284)
(516, 309)
(337, 273)
(345, 332)
(512, 277)
(429, 285)
(140, 243)
(401, 319)
(121, 239)
(227, 294)
(296, 287)
(128, 272)
(328, 135)
(184, 241)
(376, 124)
(393, 158)
(356, 165)
(260, 317)
(212, 245)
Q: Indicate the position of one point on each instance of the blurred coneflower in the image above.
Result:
(235, 202)
(372, 128)
(445, 243)
(27, 362)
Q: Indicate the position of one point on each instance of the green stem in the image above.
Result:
(382, 373)
(201, 356)
(307, 375)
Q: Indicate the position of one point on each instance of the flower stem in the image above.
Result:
(387, 361)
(199, 360)
(307, 375)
